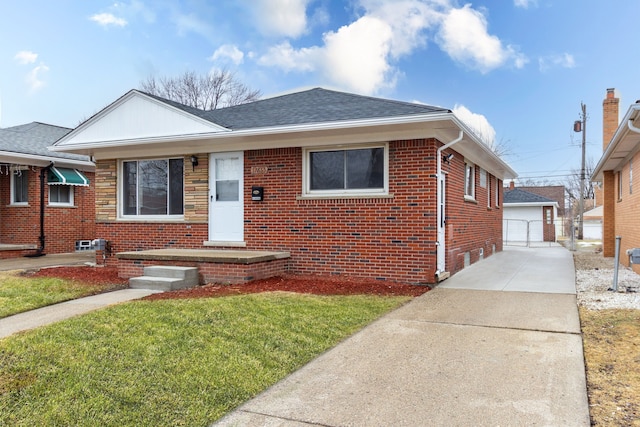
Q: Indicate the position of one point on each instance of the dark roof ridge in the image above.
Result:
(518, 195)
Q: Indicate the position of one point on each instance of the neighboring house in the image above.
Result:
(528, 217)
(345, 184)
(592, 224)
(58, 219)
(621, 201)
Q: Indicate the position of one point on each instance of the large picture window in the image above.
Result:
(351, 171)
(152, 187)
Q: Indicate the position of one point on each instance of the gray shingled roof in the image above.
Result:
(311, 106)
(33, 139)
(520, 196)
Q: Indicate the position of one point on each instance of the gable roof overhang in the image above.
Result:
(442, 125)
(624, 144)
(10, 157)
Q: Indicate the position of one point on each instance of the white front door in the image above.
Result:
(441, 224)
(226, 204)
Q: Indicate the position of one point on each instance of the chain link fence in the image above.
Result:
(533, 233)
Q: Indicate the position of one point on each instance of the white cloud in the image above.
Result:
(108, 19)
(286, 18)
(34, 78)
(228, 52)
(361, 56)
(525, 3)
(192, 24)
(564, 60)
(357, 55)
(26, 57)
(464, 37)
(284, 56)
(478, 123)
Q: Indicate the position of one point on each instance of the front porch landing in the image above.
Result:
(215, 266)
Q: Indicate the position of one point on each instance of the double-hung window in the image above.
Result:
(20, 187)
(469, 180)
(61, 195)
(353, 171)
(152, 188)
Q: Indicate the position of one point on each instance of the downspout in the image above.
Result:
(440, 246)
(40, 251)
(632, 127)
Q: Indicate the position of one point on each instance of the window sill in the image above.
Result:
(61, 205)
(345, 196)
(220, 244)
(18, 205)
(470, 199)
(151, 220)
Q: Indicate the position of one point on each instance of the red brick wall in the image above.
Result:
(63, 225)
(627, 219)
(472, 226)
(391, 238)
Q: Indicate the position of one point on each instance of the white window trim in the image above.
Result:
(630, 176)
(483, 177)
(306, 186)
(471, 196)
(71, 197)
(498, 186)
(145, 218)
(619, 185)
(488, 191)
(13, 190)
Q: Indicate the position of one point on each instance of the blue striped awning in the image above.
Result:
(65, 176)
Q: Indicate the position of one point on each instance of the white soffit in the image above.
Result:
(137, 116)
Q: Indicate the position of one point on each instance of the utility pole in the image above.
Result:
(583, 128)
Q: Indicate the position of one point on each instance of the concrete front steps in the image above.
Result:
(166, 278)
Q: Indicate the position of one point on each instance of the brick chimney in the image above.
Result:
(512, 185)
(610, 118)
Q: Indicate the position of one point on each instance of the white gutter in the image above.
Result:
(615, 140)
(441, 245)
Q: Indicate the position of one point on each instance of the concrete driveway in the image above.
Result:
(496, 344)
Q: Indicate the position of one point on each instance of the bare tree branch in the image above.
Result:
(218, 89)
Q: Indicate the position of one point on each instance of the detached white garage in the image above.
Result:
(528, 217)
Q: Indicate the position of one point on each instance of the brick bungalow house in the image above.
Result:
(58, 219)
(344, 184)
(621, 202)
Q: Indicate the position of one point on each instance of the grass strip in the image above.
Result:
(612, 359)
(170, 362)
(18, 294)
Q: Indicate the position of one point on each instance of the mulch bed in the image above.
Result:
(318, 285)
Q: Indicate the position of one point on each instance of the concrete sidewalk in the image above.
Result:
(64, 310)
(496, 344)
(54, 313)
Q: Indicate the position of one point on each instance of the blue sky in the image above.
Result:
(515, 70)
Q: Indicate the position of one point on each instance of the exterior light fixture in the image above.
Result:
(447, 158)
(194, 161)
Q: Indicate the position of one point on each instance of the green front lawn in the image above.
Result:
(18, 293)
(170, 362)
